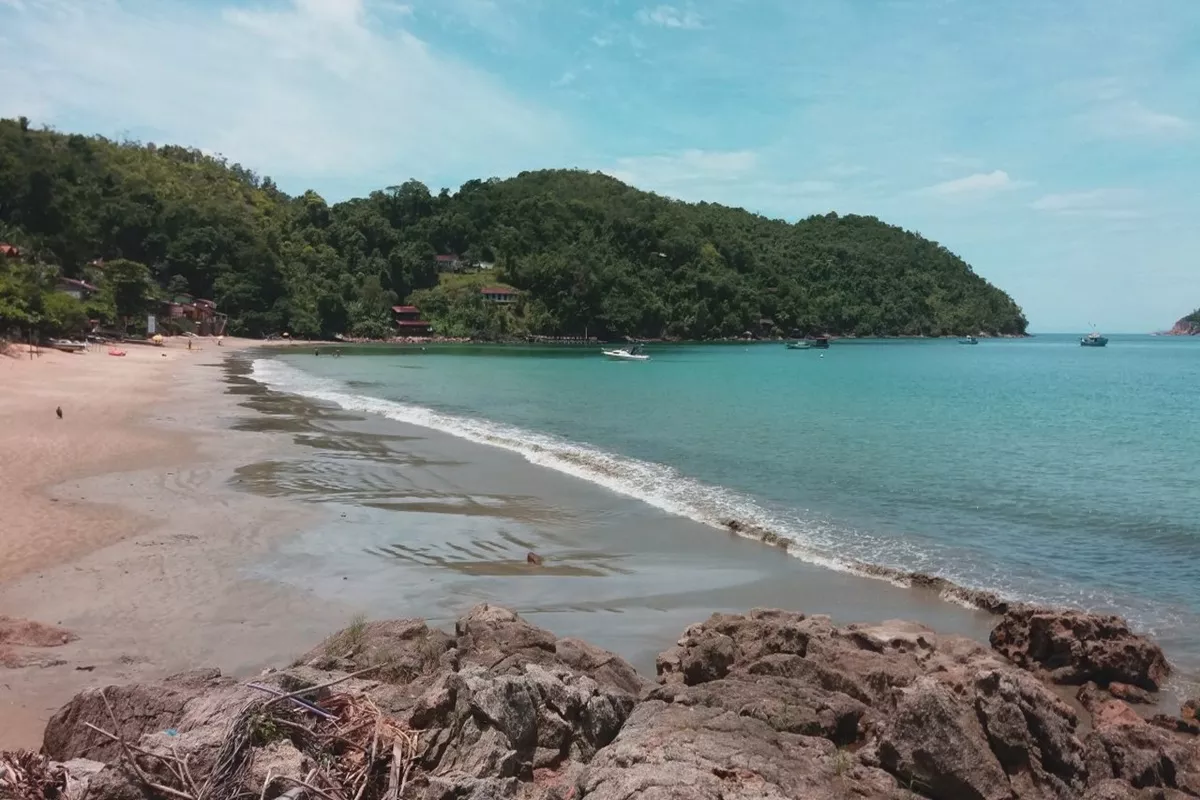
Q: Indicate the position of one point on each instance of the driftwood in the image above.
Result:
(366, 755)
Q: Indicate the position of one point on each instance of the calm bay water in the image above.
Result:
(1036, 468)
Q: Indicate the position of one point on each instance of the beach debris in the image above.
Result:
(58, 411)
(533, 558)
(29, 776)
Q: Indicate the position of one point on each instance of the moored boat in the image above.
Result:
(820, 342)
(968, 340)
(799, 345)
(627, 354)
(1093, 339)
(68, 346)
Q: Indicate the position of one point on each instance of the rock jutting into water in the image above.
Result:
(759, 706)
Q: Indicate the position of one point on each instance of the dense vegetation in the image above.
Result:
(588, 252)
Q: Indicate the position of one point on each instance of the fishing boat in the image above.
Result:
(820, 342)
(1093, 339)
(626, 354)
(968, 340)
(799, 346)
(68, 346)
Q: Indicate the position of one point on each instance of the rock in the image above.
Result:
(1191, 709)
(279, 759)
(701, 753)
(1114, 713)
(1178, 724)
(1130, 694)
(1074, 647)
(138, 710)
(769, 704)
(935, 744)
(408, 647)
(1144, 756)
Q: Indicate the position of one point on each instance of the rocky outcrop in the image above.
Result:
(1074, 647)
(769, 704)
(1188, 326)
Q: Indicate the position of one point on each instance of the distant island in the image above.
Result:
(1188, 326)
(92, 229)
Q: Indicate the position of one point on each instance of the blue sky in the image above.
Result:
(1055, 146)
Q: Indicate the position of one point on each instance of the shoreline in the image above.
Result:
(242, 555)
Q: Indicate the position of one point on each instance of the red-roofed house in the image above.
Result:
(408, 321)
(448, 263)
(499, 294)
(9, 250)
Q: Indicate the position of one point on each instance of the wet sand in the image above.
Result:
(266, 521)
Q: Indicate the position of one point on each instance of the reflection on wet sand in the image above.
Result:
(506, 554)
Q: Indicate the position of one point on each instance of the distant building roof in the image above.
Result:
(450, 257)
(406, 310)
(10, 250)
(499, 290)
(78, 284)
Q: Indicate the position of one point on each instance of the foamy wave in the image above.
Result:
(656, 484)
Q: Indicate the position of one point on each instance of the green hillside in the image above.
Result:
(587, 251)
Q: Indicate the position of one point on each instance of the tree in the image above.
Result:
(587, 251)
(128, 284)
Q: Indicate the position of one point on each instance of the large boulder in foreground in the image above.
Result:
(765, 705)
(1074, 647)
(777, 704)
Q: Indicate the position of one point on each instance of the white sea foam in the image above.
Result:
(658, 485)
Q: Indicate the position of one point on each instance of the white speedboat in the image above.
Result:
(626, 354)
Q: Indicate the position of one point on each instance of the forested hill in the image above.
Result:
(587, 251)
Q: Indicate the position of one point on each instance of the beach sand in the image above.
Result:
(100, 508)
(180, 515)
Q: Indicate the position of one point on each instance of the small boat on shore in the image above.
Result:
(1093, 339)
(68, 346)
(968, 340)
(627, 354)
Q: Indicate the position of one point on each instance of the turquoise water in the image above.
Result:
(1036, 468)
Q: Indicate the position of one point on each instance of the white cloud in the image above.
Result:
(670, 17)
(602, 41)
(737, 177)
(313, 88)
(1111, 109)
(979, 184)
(1132, 119)
(566, 79)
(667, 173)
(1103, 203)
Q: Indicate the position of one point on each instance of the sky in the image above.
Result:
(1054, 146)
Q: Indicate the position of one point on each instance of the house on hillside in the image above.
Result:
(408, 321)
(449, 263)
(501, 295)
(80, 290)
(201, 315)
(9, 250)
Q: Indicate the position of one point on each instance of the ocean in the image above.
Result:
(1034, 468)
